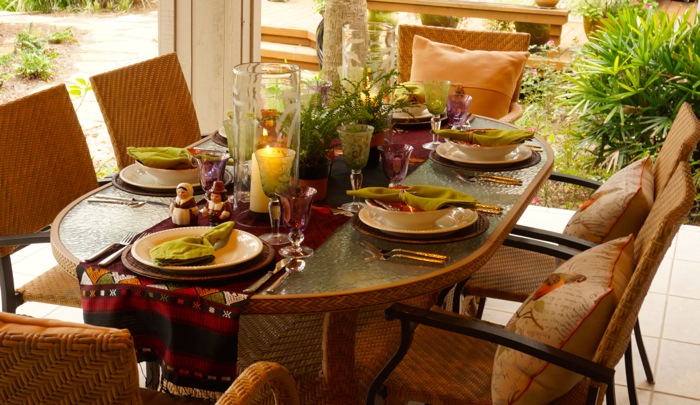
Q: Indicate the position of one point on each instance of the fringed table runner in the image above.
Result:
(190, 328)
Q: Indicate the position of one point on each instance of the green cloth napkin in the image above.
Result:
(161, 157)
(409, 92)
(192, 250)
(426, 198)
(487, 137)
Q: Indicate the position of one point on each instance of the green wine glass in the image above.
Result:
(436, 92)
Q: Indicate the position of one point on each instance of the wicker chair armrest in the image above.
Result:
(486, 331)
(255, 382)
(554, 237)
(571, 179)
(25, 239)
(539, 246)
(516, 111)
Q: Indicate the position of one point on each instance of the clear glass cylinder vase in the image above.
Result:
(266, 113)
(368, 51)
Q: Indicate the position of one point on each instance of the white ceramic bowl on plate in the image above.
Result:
(478, 152)
(171, 177)
(415, 111)
(407, 220)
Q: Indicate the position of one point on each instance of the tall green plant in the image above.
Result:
(628, 84)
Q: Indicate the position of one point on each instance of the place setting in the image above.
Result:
(158, 170)
(485, 149)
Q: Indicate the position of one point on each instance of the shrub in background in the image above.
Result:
(629, 82)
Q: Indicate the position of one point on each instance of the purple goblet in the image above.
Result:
(395, 159)
(296, 211)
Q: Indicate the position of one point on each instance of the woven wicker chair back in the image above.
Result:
(657, 233)
(45, 161)
(66, 364)
(681, 141)
(472, 40)
(146, 104)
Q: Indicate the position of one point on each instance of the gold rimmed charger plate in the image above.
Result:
(260, 262)
(241, 247)
(451, 152)
(477, 228)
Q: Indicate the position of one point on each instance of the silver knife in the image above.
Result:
(123, 200)
(278, 267)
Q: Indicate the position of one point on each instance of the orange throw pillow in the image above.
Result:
(490, 77)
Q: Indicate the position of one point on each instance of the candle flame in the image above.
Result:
(264, 132)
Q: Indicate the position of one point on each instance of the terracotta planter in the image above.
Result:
(590, 26)
(547, 3)
(316, 176)
(539, 33)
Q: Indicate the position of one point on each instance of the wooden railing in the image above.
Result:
(556, 17)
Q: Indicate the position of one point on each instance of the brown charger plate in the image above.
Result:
(257, 263)
(119, 183)
(476, 229)
(531, 161)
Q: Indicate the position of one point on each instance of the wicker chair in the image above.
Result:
(146, 104)
(46, 164)
(50, 361)
(512, 274)
(450, 358)
(473, 40)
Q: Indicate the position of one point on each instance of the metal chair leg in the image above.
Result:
(643, 353)
(629, 372)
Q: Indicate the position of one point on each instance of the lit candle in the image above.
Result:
(258, 199)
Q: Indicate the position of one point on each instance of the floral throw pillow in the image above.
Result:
(618, 208)
(570, 311)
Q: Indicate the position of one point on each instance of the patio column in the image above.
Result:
(210, 38)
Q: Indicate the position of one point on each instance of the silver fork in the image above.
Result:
(406, 254)
(127, 240)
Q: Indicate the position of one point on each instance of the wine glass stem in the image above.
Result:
(435, 124)
(275, 213)
(296, 237)
(355, 181)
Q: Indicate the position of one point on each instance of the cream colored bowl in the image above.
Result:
(406, 220)
(171, 177)
(484, 153)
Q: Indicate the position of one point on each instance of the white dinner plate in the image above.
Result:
(222, 132)
(136, 176)
(241, 247)
(400, 115)
(455, 219)
(451, 152)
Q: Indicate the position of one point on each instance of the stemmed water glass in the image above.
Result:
(275, 166)
(354, 141)
(296, 210)
(436, 92)
(395, 159)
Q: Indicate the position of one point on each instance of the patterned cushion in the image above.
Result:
(618, 208)
(571, 311)
(489, 77)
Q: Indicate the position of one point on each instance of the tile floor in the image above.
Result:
(670, 317)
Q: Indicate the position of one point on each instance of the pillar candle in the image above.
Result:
(258, 199)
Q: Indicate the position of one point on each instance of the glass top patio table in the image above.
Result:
(339, 279)
(339, 275)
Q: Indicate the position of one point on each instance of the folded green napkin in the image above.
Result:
(161, 157)
(487, 137)
(426, 198)
(409, 92)
(192, 250)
